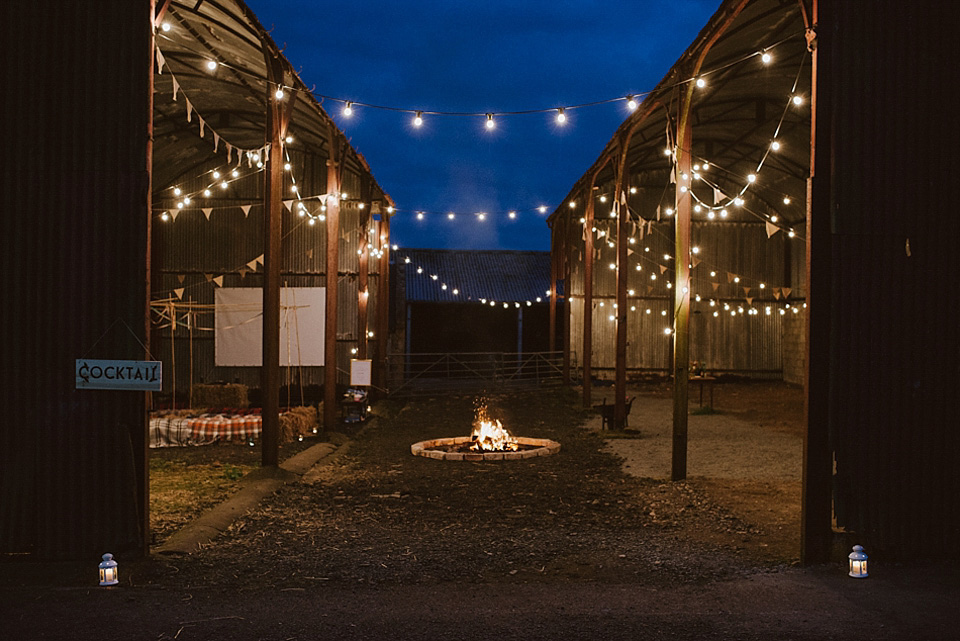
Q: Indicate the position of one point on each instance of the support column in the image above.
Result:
(363, 294)
(278, 111)
(383, 304)
(623, 218)
(588, 297)
(330, 398)
(681, 288)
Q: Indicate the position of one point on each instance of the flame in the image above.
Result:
(489, 434)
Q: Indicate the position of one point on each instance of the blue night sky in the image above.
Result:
(473, 57)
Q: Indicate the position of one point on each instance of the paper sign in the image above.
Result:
(360, 370)
(144, 376)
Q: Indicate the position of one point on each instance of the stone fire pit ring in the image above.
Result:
(535, 447)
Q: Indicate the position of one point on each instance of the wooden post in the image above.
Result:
(330, 397)
(363, 269)
(383, 304)
(623, 273)
(588, 296)
(278, 111)
(681, 289)
(817, 508)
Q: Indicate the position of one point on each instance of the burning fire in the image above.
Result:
(490, 435)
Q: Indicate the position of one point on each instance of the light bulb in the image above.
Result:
(512, 214)
(418, 119)
(631, 103)
(766, 58)
(752, 178)
(165, 26)
(419, 215)
(773, 219)
(206, 193)
(348, 109)
(798, 100)
(186, 200)
(542, 209)
(177, 191)
(561, 117)
(216, 175)
(603, 199)
(786, 200)
(286, 166)
(164, 216)
(775, 145)
(235, 173)
(278, 94)
(572, 204)
(288, 139)
(212, 65)
(668, 211)
(451, 216)
(482, 216)
(490, 124)
(223, 184)
(701, 83)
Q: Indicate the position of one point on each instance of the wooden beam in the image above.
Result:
(330, 397)
(681, 288)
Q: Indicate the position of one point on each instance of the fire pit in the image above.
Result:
(490, 441)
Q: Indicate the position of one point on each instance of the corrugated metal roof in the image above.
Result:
(502, 276)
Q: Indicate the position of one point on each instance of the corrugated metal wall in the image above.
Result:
(739, 342)
(895, 344)
(75, 113)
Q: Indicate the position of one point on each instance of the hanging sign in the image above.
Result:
(360, 370)
(145, 376)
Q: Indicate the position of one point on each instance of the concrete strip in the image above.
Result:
(253, 488)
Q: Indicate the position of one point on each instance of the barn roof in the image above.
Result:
(200, 110)
(495, 275)
(744, 104)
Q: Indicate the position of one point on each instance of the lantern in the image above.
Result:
(858, 563)
(108, 570)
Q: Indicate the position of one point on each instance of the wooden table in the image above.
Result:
(709, 380)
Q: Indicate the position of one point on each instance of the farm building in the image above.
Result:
(192, 177)
(465, 317)
(760, 213)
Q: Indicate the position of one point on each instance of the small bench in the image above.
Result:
(607, 411)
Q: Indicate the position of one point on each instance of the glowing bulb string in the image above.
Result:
(414, 269)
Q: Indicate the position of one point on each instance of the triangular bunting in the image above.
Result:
(310, 254)
(776, 293)
(174, 213)
(658, 212)
(207, 211)
(179, 292)
(219, 281)
(663, 268)
(717, 196)
(252, 265)
(771, 229)
(716, 286)
(246, 210)
(730, 277)
(181, 277)
(786, 291)
(243, 272)
(160, 61)
(749, 300)
(629, 252)
(216, 141)
(695, 261)
(209, 277)
(649, 288)
(189, 109)
(176, 87)
(202, 124)
(229, 150)
(746, 291)
(259, 259)
(288, 204)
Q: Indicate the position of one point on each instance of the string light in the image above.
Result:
(348, 109)
(631, 103)
(418, 119)
(561, 117)
(490, 124)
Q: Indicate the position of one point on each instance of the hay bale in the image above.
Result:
(298, 421)
(223, 395)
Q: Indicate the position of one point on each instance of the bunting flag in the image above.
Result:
(718, 196)
(730, 277)
(746, 291)
(696, 261)
(181, 277)
(776, 293)
(658, 212)
(663, 268)
(259, 259)
(786, 291)
(243, 272)
(174, 213)
(229, 150)
(252, 265)
(246, 210)
(749, 300)
(771, 229)
(176, 86)
(649, 288)
(288, 204)
(216, 141)
(179, 292)
(716, 286)
(673, 175)
(209, 277)
(189, 109)
(310, 254)
(207, 211)
(219, 281)
(630, 252)
(160, 63)
(202, 124)
(650, 227)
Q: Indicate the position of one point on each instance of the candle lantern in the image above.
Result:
(108, 570)
(858, 563)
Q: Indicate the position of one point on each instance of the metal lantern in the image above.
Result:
(858, 563)
(108, 570)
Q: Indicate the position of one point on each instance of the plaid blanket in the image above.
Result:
(175, 431)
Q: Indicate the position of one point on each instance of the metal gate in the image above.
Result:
(471, 372)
